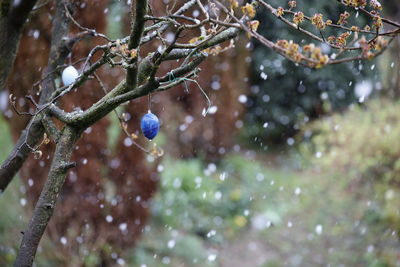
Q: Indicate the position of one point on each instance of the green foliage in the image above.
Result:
(200, 207)
(187, 249)
(278, 208)
(115, 16)
(292, 95)
(10, 223)
(363, 145)
(200, 200)
(242, 202)
(12, 215)
(5, 139)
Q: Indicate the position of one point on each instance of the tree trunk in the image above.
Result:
(47, 200)
(12, 20)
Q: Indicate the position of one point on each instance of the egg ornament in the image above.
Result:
(150, 125)
(69, 75)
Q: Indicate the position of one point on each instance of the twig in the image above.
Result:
(91, 31)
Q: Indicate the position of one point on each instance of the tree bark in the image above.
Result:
(12, 20)
(19, 153)
(45, 206)
(34, 131)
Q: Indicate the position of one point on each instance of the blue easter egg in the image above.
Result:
(150, 125)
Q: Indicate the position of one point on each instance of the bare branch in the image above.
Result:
(216, 24)
(34, 130)
(91, 31)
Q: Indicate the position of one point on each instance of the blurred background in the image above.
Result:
(291, 167)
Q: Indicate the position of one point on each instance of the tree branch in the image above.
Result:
(45, 206)
(119, 94)
(141, 80)
(139, 10)
(50, 128)
(34, 131)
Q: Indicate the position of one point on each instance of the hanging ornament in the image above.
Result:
(150, 125)
(69, 75)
